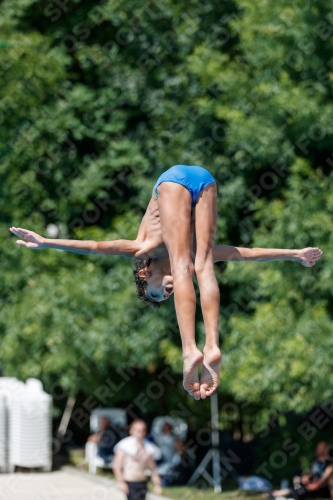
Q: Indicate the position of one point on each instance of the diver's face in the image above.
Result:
(159, 288)
(159, 285)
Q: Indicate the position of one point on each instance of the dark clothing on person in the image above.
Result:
(105, 447)
(137, 490)
(318, 467)
(105, 455)
(299, 491)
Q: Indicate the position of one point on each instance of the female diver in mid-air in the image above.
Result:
(175, 243)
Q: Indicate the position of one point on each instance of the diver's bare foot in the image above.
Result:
(192, 360)
(308, 256)
(210, 371)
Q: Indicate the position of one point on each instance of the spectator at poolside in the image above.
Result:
(172, 449)
(105, 438)
(134, 456)
(316, 483)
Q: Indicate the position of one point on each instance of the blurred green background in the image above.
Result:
(96, 100)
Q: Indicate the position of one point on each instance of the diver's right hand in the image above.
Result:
(29, 238)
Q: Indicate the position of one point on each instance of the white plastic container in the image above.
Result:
(30, 427)
(3, 434)
(8, 387)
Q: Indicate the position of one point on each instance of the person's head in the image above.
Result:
(138, 429)
(104, 423)
(167, 428)
(322, 449)
(153, 280)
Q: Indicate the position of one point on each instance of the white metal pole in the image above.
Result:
(215, 443)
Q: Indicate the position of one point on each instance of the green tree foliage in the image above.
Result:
(287, 335)
(96, 101)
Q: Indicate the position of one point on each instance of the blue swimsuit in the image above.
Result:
(195, 179)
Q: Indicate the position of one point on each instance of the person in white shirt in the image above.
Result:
(134, 457)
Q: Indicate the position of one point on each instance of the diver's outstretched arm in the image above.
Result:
(34, 241)
(306, 256)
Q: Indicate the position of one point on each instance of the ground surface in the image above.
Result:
(187, 493)
(70, 484)
(230, 487)
(60, 485)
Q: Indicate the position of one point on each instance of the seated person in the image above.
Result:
(172, 449)
(316, 483)
(168, 442)
(105, 438)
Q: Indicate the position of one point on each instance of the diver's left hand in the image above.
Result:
(309, 256)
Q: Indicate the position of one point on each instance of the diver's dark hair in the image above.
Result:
(141, 283)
